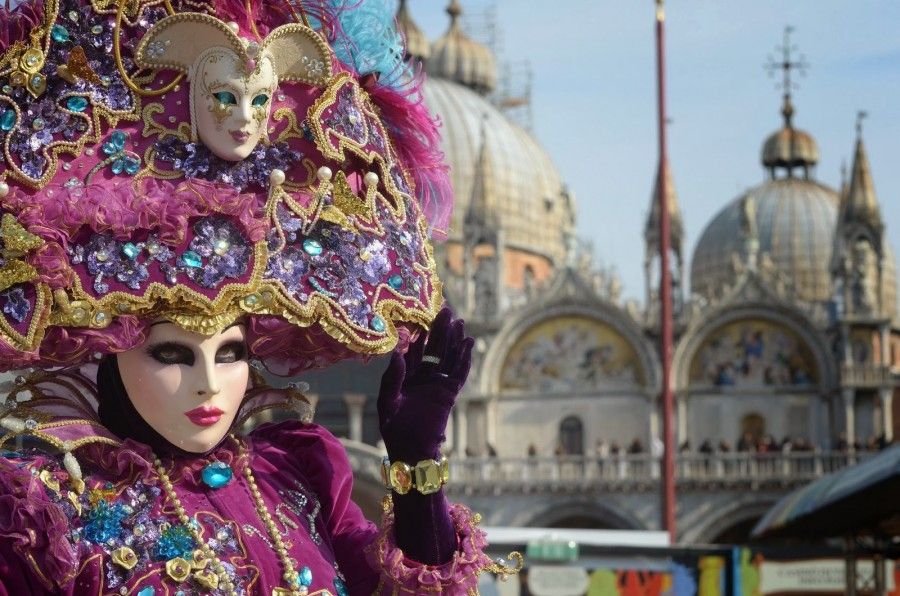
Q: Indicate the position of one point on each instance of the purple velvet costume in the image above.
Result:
(47, 547)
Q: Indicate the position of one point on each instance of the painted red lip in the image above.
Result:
(240, 136)
(204, 415)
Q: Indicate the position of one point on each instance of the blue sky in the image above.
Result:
(594, 100)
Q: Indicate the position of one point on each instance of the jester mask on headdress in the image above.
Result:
(203, 162)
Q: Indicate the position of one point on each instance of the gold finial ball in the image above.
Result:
(277, 177)
(4, 189)
(371, 179)
(233, 26)
(324, 174)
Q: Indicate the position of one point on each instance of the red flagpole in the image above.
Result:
(668, 468)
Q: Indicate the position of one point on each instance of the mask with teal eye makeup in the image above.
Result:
(260, 100)
(225, 98)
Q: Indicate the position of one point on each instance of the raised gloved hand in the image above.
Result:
(419, 388)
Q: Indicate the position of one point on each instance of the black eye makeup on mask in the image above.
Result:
(175, 353)
(171, 353)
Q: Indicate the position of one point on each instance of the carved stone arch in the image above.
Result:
(607, 514)
(729, 516)
(695, 337)
(601, 311)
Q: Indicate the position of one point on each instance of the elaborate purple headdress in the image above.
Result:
(203, 162)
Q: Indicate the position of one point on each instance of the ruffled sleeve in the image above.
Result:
(370, 560)
(36, 556)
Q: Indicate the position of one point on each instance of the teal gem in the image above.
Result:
(217, 474)
(118, 138)
(340, 588)
(395, 281)
(117, 166)
(131, 250)
(378, 324)
(77, 103)
(312, 247)
(8, 120)
(192, 259)
(38, 123)
(132, 166)
(305, 577)
(59, 34)
(148, 591)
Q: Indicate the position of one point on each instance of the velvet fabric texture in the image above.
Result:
(413, 407)
(301, 470)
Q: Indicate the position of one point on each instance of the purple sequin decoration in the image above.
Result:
(17, 304)
(226, 251)
(195, 160)
(346, 117)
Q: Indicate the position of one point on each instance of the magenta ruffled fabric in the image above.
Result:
(458, 576)
(30, 523)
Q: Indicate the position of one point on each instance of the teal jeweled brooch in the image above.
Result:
(217, 474)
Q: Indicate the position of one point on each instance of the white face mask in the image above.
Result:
(230, 107)
(187, 386)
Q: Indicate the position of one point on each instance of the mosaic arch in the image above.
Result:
(571, 353)
(753, 353)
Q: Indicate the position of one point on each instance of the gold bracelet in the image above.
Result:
(427, 476)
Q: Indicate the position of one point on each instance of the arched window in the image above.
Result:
(571, 436)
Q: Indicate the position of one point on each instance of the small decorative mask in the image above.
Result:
(233, 80)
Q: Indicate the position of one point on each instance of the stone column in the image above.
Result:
(887, 412)
(681, 402)
(461, 428)
(885, 345)
(355, 403)
(849, 396)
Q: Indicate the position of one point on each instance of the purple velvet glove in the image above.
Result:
(414, 405)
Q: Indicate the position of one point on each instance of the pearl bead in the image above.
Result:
(324, 174)
(277, 177)
(233, 26)
(4, 189)
(371, 179)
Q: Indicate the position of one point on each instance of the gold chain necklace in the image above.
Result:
(219, 575)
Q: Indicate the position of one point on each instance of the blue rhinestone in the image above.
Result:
(148, 591)
(395, 281)
(217, 474)
(77, 103)
(117, 167)
(312, 247)
(306, 577)
(8, 120)
(340, 588)
(192, 259)
(59, 33)
(118, 138)
(132, 166)
(131, 250)
(378, 324)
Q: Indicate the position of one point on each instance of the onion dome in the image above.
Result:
(795, 223)
(457, 57)
(789, 147)
(417, 46)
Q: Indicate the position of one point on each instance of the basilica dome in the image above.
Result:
(794, 224)
(521, 187)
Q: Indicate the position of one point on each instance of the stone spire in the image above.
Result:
(676, 224)
(861, 204)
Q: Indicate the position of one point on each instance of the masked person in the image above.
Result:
(191, 191)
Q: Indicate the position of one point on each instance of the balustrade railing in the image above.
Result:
(586, 471)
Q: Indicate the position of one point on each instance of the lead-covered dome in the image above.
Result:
(526, 194)
(794, 224)
(457, 57)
